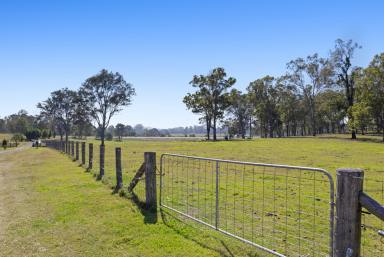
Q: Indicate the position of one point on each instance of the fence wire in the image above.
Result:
(284, 210)
(372, 228)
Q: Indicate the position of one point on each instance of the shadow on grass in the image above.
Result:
(196, 239)
(150, 216)
(360, 138)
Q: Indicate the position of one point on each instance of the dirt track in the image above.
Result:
(5, 193)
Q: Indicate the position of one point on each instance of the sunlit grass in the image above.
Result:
(51, 207)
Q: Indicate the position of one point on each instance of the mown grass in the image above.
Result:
(49, 206)
(326, 152)
(329, 153)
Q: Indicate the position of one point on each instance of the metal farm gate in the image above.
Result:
(283, 210)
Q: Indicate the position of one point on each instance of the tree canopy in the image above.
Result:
(106, 93)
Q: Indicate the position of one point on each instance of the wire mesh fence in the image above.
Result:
(372, 232)
(285, 210)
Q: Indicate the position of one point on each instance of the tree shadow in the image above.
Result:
(200, 241)
(362, 138)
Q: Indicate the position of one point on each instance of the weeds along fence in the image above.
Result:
(283, 210)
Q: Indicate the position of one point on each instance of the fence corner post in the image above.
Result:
(150, 181)
(119, 174)
(348, 212)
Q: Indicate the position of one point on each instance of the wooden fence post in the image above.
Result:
(73, 149)
(119, 174)
(77, 150)
(348, 212)
(102, 152)
(82, 153)
(150, 180)
(90, 156)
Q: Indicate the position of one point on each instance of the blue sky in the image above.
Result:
(159, 45)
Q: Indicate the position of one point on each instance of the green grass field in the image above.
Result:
(50, 207)
(70, 213)
(326, 152)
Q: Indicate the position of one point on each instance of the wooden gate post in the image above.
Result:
(90, 156)
(348, 212)
(77, 150)
(102, 152)
(119, 174)
(82, 153)
(150, 181)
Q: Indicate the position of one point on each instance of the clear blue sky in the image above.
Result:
(159, 45)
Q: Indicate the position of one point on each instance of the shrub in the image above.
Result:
(18, 138)
(108, 136)
(5, 143)
(32, 134)
(44, 134)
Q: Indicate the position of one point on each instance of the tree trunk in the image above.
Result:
(362, 131)
(208, 123)
(214, 129)
(382, 125)
(102, 135)
(287, 128)
(250, 127)
(313, 124)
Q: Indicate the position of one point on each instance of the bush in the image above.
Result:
(18, 138)
(5, 143)
(32, 134)
(108, 136)
(44, 134)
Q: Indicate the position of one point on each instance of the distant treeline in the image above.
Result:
(35, 126)
(316, 95)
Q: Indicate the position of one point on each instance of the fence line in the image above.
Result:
(284, 210)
